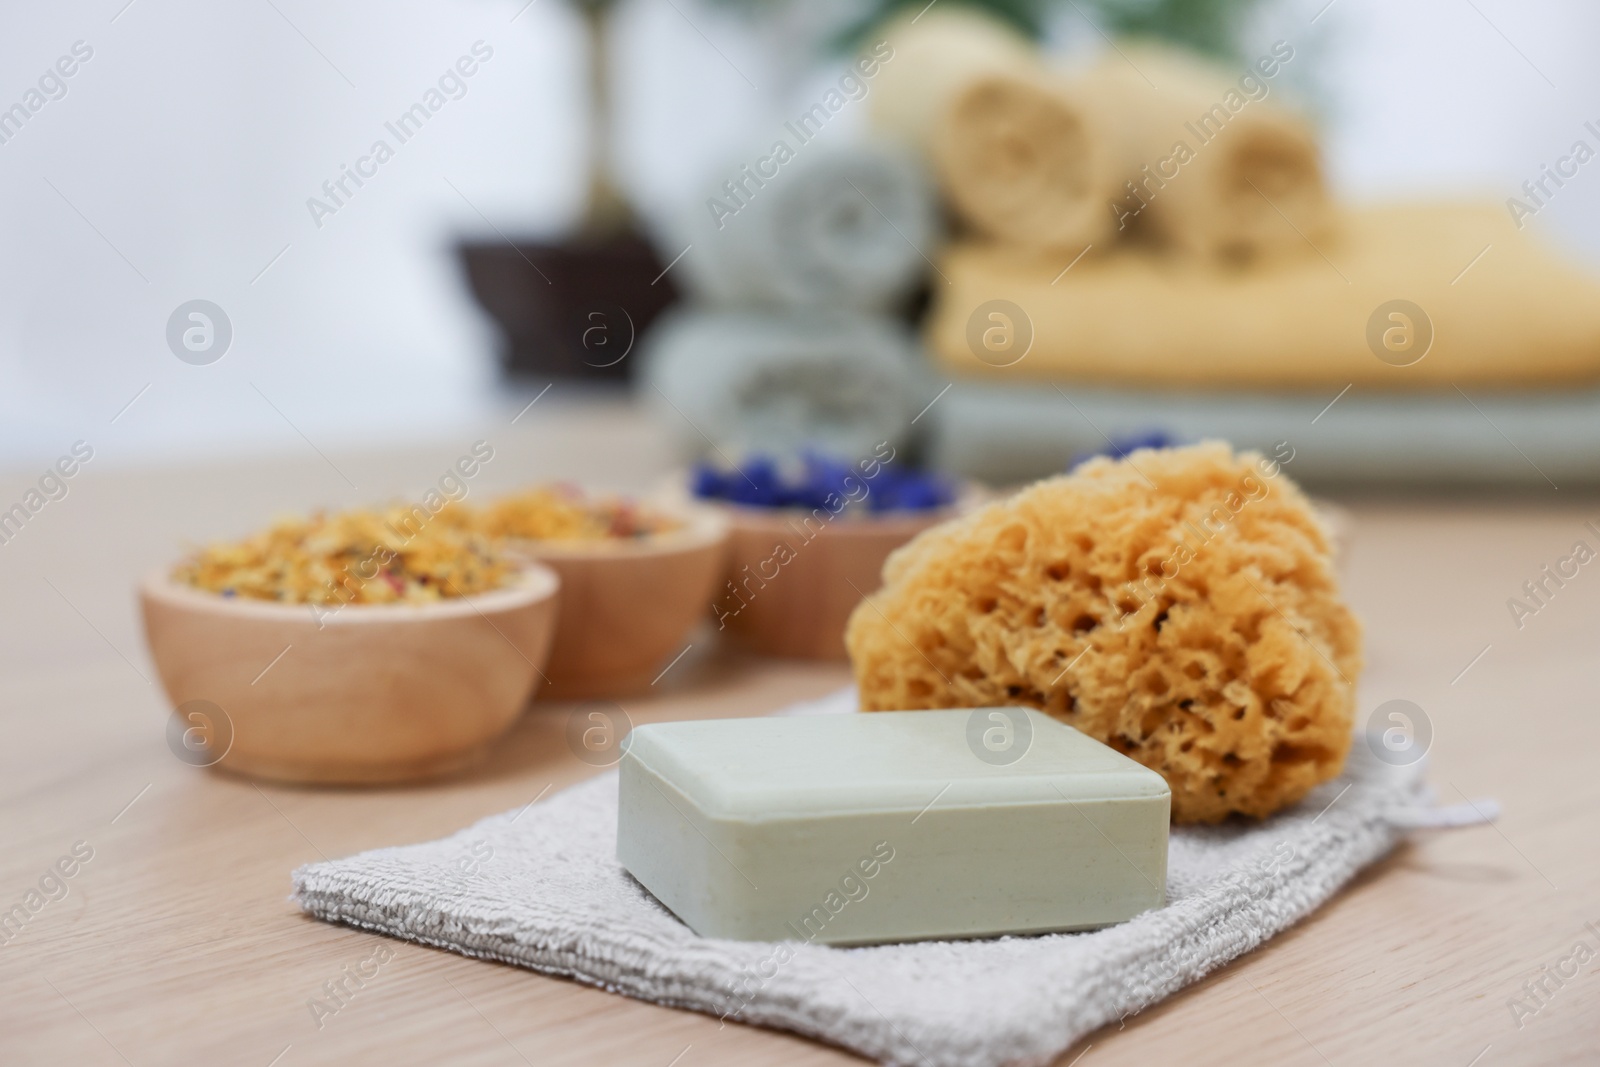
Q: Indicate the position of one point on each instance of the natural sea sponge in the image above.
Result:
(1179, 605)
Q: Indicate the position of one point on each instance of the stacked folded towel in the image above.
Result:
(796, 264)
(1153, 219)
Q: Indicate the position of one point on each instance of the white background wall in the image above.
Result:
(179, 162)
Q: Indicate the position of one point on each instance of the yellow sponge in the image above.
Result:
(1179, 605)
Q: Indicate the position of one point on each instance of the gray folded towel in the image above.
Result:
(780, 382)
(842, 227)
(552, 897)
(1007, 434)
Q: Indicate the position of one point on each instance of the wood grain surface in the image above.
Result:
(174, 942)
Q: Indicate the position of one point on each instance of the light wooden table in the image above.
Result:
(176, 944)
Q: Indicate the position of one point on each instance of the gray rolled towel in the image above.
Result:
(780, 382)
(830, 226)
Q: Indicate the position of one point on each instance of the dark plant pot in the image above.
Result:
(571, 310)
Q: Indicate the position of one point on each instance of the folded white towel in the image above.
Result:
(552, 897)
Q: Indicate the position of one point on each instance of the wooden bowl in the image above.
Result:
(627, 605)
(792, 583)
(368, 693)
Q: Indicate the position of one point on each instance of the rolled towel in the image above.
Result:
(1024, 158)
(824, 226)
(779, 383)
(1208, 163)
(934, 54)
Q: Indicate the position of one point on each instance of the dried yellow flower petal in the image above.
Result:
(396, 555)
(563, 513)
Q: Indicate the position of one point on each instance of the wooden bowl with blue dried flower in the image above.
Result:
(809, 539)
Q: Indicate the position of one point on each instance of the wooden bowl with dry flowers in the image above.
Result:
(348, 649)
(635, 578)
(809, 539)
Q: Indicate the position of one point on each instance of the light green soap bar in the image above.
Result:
(891, 826)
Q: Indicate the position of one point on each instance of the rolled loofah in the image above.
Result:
(1179, 605)
(938, 51)
(1023, 158)
(1213, 173)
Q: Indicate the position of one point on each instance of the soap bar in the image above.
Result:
(890, 826)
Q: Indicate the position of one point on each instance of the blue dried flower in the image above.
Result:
(760, 482)
(1119, 446)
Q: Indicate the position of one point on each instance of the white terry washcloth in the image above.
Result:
(551, 896)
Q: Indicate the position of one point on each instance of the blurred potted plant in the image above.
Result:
(573, 308)
(1210, 27)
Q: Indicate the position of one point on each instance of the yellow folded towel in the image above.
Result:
(1207, 160)
(1483, 304)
